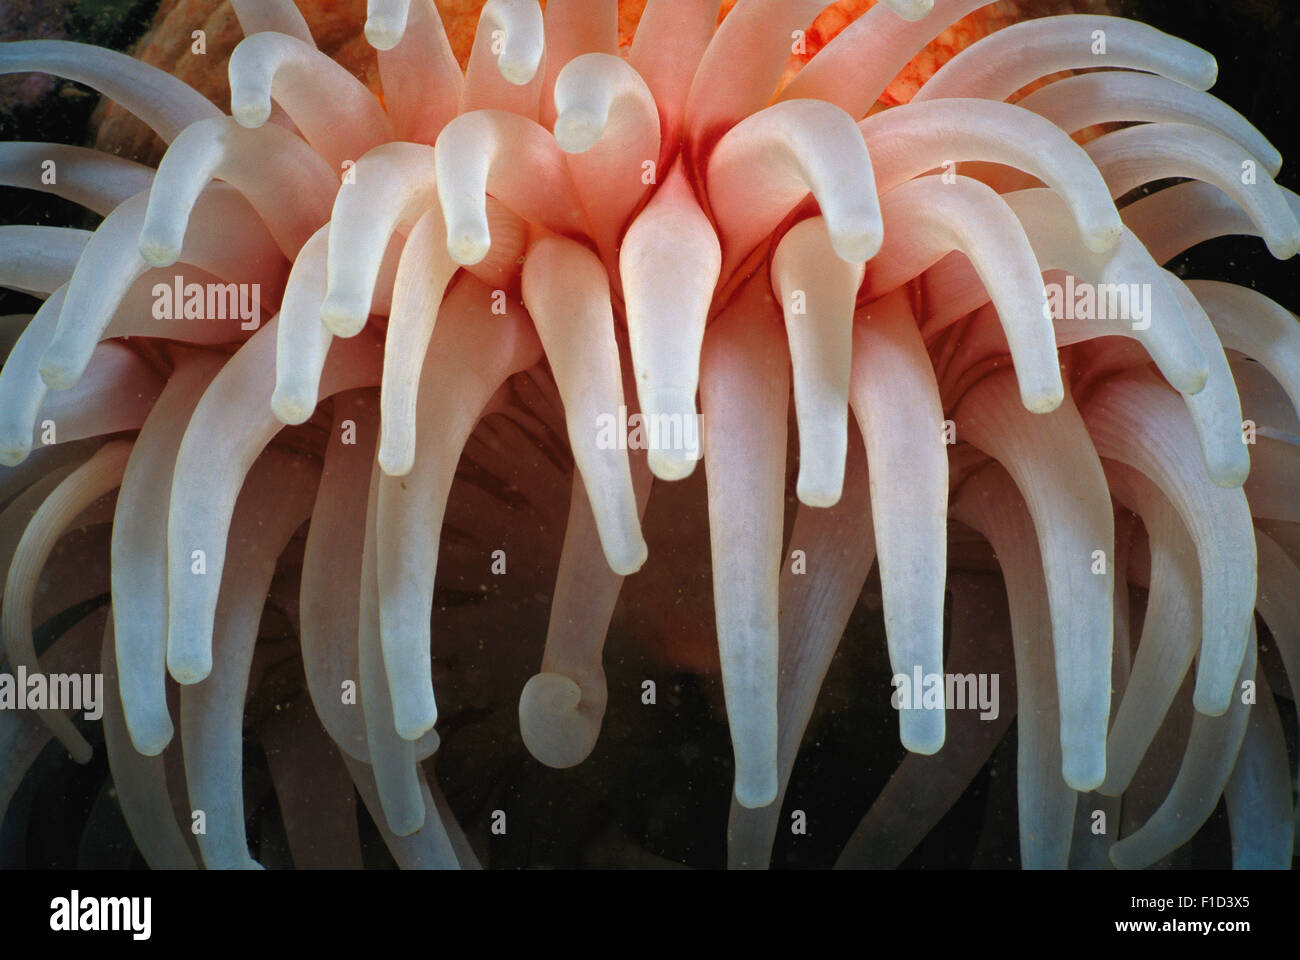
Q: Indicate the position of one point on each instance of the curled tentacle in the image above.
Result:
(515, 160)
(562, 706)
(241, 250)
(1140, 154)
(337, 115)
(916, 137)
(263, 164)
(817, 291)
(504, 71)
(421, 79)
(1113, 96)
(1003, 62)
(927, 218)
(607, 123)
(573, 29)
(96, 180)
(166, 104)
(768, 162)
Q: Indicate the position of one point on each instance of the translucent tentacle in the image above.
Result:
(276, 500)
(139, 555)
(744, 388)
(665, 322)
(1057, 472)
(896, 402)
(335, 111)
(472, 352)
(96, 180)
(567, 293)
(166, 104)
(990, 503)
(1211, 754)
(1136, 419)
(101, 474)
(505, 65)
(815, 606)
(140, 780)
(1003, 62)
(817, 291)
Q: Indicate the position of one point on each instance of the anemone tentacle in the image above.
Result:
(500, 286)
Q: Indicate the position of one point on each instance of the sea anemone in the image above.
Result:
(346, 357)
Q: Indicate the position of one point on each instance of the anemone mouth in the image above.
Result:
(691, 365)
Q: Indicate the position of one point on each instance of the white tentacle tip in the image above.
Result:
(755, 792)
(14, 452)
(518, 71)
(397, 458)
(912, 10)
(1283, 247)
(1228, 464)
(819, 489)
(291, 406)
(405, 823)
(1103, 237)
(344, 316)
(58, 373)
(577, 131)
(1207, 71)
(1212, 697)
(157, 251)
(671, 464)
(468, 245)
(251, 112)
(858, 245)
(921, 731)
(384, 33)
(1086, 772)
(675, 446)
(628, 557)
(414, 720)
(1191, 378)
(153, 739)
(189, 670)
(823, 450)
(554, 729)
(1042, 398)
